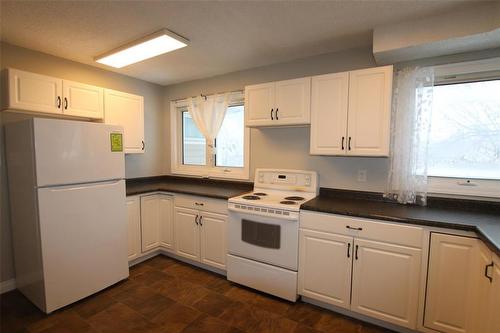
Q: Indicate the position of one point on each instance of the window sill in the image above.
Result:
(202, 173)
(484, 188)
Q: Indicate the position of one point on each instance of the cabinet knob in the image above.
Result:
(143, 145)
(196, 220)
(272, 114)
(348, 250)
(276, 113)
(58, 102)
(65, 103)
(356, 253)
(343, 143)
(349, 144)
(201, 216)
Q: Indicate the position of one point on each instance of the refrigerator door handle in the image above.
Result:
(77, 186)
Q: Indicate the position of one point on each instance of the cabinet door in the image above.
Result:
(187, 233)
(385, 282)
(213, 239)
(451, 280)
(126, 110)
(293, 102)
(369, 115)
(325, 262)
(134, 227)
(166, 207)
(259, 101)
(483, 293)
(329, 99)
(83, 100)
(34, 92)
(494, 304)
(150, 222)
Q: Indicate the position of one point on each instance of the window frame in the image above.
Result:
(473, 71)
(210, 170)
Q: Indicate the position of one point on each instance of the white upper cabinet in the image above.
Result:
(350, 112)
(370, 92)
(34, 92)
(282, 103)
(259, 102)
(39, 93)
(329, 105)
(82, 100)
(126, 110)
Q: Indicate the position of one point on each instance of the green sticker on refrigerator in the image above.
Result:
(116, 142)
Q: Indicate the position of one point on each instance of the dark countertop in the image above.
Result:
(220, 189)
(481, 217)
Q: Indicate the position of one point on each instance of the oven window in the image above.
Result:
(261, 234)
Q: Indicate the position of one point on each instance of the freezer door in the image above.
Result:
(71, 152)
(83, 233)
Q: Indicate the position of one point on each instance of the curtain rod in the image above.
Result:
(202, 95)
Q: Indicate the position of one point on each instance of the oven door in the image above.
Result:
(266, 239)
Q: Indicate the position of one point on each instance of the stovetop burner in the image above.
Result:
(251, 197)
(287, 202)
(295, 198)
(260, 194)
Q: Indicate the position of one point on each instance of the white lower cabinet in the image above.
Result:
(134, 227)
(340, 264)
(326, 280)
(200, 230)
(463, 286)
(187, 243)
(385, 281)
(213, 239)
(156, 221)
(452, 284)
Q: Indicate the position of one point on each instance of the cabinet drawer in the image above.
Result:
(202, 203)
(370, 229)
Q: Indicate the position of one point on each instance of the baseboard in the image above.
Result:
(358, 316)
(7, 285)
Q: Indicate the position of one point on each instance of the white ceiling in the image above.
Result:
(225, 36)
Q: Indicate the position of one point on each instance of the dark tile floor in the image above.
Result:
(165, 295)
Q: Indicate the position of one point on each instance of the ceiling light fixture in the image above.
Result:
(150, 46)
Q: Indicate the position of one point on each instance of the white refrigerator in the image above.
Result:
(68, 213)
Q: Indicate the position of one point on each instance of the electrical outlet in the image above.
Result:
(362, 176)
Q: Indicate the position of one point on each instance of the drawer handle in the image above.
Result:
(199, 203)
(353, 228)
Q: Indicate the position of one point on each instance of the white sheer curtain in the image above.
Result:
(208, 114)
(410, 127)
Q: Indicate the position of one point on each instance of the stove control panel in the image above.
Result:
(289, 180)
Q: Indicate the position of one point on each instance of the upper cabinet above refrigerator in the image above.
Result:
(281, 103)
(45, 94)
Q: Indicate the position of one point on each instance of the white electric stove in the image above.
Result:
(263, 231)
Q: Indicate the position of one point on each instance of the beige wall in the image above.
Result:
(289, 147)
(148, 164)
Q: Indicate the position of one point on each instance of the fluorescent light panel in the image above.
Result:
(148, 47)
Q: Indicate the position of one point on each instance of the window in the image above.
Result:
(229, 144)
(190, 153)
(464, 142)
